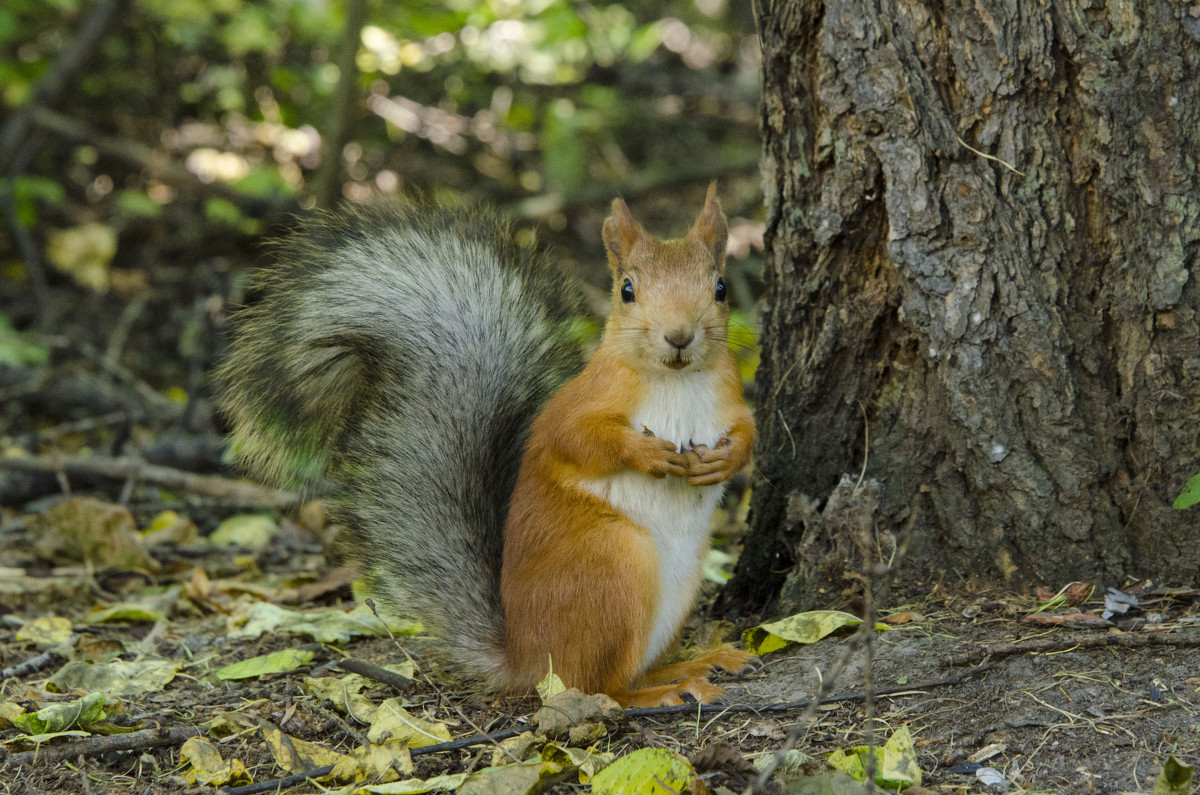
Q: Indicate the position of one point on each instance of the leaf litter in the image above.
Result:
(244, 649)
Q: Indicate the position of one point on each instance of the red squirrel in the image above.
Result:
(418, 358)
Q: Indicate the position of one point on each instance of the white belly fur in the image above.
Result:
(681, 408)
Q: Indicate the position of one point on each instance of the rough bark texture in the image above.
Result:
(981, 221)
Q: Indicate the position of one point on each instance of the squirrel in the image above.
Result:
(537, 516)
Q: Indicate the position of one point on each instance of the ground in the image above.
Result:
(1070, 715)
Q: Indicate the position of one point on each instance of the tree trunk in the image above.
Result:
(981, 218)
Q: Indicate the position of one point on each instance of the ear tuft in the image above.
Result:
(620, 233)
(711, 228)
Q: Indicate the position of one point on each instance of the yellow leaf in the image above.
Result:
(394, 722)
(252, 531)
(650, 771)
(208, 769)
(895, 763)
(45, 632)
(550, 685)
(383, 763)
(298, 756)
(84, 253)
(416, 786)
(343, 693)
(801, 628)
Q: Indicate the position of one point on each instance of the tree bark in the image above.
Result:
(981, 218)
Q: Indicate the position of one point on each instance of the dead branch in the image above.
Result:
(127, 468)
(102, 744)
(376, 672)
(1061, 644)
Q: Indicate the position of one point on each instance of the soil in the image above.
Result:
(1070, 715)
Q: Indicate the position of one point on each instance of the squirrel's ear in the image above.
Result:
(620, 232)
(710, 228)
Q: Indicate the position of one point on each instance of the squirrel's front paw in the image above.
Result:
(657, 457)
(708, 466)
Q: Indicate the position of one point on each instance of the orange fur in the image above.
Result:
(580, 579)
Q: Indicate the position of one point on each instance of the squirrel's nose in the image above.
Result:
(679, 338)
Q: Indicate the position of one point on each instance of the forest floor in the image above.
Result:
(1065, 702)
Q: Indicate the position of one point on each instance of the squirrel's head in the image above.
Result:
(669, 309)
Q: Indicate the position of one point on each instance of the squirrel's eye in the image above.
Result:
(627, 291)
(720, 289)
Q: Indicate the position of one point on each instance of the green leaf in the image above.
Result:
(324, 626)
(60, 717)
(650, 771)
(801, 628)
(117, 678)
(895, 763)
(137, 203)
(1175, 778)
(1190, 495)
(16, 351)
(274, 663)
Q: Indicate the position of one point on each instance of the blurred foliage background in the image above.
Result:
(147, 148)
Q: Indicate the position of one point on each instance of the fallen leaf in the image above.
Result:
(170, 527)
(416, 786)
(250, 531)
(45, 632)
(520, 778)
(207, 768)
(156, 604)
(801, 628)
(343, 692)
(323, 626)
(521, 748)
(578, 717)
(116, 678)
(384, 762)
(59, 717)
(895, 763)
(295, 755)
(392, 721)
(1175, 778)
(649, 771)
(90, 531)
(273, 663)
(587, 762)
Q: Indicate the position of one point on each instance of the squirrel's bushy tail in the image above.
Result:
(402, 353)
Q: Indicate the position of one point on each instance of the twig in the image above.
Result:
(126, 468)
(376, 672)
(103, 744)
(788, 706)
(32, 665)
(1058, 644)
(276, 784)
(985, 155)
(445, 702)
